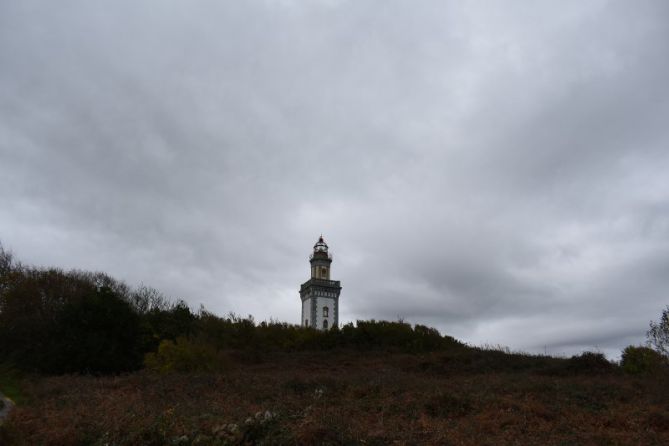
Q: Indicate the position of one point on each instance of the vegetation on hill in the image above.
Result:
(347, 397)
(54, 322)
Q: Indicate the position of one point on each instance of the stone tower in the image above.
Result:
(320, 295)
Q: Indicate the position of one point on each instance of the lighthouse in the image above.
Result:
(319, 294)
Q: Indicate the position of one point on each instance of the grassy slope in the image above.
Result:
(463, 397)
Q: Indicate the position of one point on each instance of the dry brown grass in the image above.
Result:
(348, 398)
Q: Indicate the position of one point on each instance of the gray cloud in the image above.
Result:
(496, 171)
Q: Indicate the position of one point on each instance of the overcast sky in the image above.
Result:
(499, 171)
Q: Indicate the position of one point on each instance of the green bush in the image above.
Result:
(589, 363)
(166, 322)
(185, 355)
(642, 360)
(11, 383)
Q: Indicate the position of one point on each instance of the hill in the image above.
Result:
(461, 396)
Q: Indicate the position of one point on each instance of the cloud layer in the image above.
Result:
(497, 171)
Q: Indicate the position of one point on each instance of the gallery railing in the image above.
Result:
(321, 282)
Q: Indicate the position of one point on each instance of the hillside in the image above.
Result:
(462, 396)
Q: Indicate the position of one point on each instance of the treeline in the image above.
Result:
(216, 337)
(54, 321)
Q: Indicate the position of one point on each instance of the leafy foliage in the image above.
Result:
(99, 333)
(53, 321)
(642, 360)
(589, 363)
(10, 379)
(59, 322)
(238, 333)
(166, 321)
(185, 355)
(658, 334)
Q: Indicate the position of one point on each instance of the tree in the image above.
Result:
(31, 302)
(640, 360)
(8, 268)
(6, 261)
(146, 299)
(59, 322)
(658, 334)
(99, 334)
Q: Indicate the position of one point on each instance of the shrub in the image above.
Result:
(11, 383)
(167, 321)
(185, 355)
(641, 360)
(589, 363)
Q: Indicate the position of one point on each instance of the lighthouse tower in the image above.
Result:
(320, 295)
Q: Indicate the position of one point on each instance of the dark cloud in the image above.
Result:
(498, 172)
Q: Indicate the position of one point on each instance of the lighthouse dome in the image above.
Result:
(320, 245)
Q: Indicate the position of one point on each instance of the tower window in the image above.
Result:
(325, 311)
(325, 323)
(306, 322)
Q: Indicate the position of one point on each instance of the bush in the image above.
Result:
(642, 360)
(169, 321)
(11, 383)
(589, 363)
(185, 355)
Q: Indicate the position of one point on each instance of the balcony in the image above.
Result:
(321, 282)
